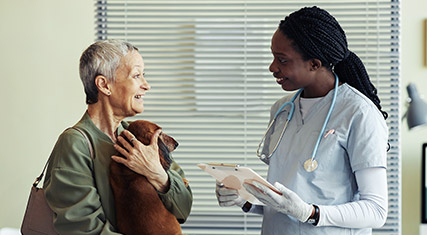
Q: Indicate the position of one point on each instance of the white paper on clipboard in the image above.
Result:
(233, 176)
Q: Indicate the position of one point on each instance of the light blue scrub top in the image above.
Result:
(359, 141)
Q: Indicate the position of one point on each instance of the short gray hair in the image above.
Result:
(101, 58)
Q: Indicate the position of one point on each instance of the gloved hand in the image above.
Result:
(227, 196)
(289, 203)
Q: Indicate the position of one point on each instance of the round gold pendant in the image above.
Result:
(310, 165)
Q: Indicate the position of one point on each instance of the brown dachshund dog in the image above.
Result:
(139, 209)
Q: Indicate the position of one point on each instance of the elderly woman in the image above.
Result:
(76, 186)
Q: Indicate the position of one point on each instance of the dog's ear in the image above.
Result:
(170, 142)
(167, 144)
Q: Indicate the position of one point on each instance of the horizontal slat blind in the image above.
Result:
(207, 63)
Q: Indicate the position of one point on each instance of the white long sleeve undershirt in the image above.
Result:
(368, 212)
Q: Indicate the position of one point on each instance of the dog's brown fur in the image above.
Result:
(139, 209)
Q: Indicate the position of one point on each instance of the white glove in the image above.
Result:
(289, 203)
(227, 196)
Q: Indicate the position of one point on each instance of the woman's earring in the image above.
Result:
(108, 92)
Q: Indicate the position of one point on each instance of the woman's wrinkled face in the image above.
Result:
(288, 67)
(128, 91)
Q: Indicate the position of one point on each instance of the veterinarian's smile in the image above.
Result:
(280, 81)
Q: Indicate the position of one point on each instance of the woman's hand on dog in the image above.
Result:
(143, 159)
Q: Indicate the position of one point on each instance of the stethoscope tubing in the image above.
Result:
(319, 138)
(289, 117)
(291, 103)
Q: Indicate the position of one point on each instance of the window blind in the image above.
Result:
(207, 62)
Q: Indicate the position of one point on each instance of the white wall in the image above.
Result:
(413, 14)
(41, 94)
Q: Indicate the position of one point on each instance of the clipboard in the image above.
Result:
(233, 176)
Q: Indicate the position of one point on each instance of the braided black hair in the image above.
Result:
(317, 34)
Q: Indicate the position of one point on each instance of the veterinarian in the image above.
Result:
(77, 187)
(327, 142)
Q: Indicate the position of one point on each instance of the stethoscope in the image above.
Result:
(311, 163)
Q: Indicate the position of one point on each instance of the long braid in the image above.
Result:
(317, 34)
(353, 68)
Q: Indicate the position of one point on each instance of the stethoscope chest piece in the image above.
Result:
(310, 165)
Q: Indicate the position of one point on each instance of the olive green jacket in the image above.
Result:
(77, 187)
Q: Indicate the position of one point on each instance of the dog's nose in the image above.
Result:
(176, 145)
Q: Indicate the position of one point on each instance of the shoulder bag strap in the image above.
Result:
(38, 179)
